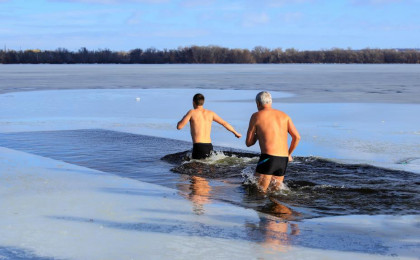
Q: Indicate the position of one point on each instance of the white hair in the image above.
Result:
(263, 98)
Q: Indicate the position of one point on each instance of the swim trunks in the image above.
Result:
(202, 150)
(272, 165)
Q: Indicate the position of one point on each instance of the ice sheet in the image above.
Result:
(385, 135)
(318, 83)
(59, 210)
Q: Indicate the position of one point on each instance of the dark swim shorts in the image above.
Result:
(202, 150)
(272, 165)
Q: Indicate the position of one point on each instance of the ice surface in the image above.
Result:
(318, 83)
(59, 210)
(385, 135)
(49, 209)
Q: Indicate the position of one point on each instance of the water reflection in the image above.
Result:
(274, 230)
(199, 193)
(277, 233)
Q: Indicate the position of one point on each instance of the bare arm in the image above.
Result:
(251, 136)
(184, 120)
(226, 125)
(295, 137)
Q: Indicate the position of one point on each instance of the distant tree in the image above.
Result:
(291, 56)
(11, 57)
(211, 54)
(83, 56)
(135, 55)
(276, 55)
(261, 54)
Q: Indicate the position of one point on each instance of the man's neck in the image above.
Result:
(264, 107)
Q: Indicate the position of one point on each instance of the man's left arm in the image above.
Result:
(295, 137)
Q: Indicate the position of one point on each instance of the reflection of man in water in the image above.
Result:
(271, 128)
(200, 192)
(275, 229)
(277, 234)
(200, 123)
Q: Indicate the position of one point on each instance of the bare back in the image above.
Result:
(200, 120)
(200, 124)
(271, 128)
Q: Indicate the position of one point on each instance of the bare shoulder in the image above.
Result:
(255, 115)
(193, 113)
(208, 112)
(210, 115)
(282, 114)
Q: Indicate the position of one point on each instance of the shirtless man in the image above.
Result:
(200, 123)
(270, 127)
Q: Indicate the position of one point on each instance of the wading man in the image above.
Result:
(270, 127)
(200, 124)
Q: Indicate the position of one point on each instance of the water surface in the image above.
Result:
(316, 187)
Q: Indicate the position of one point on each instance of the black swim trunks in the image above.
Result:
(272, 165)
(202, 150)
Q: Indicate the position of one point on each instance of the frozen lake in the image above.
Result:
(314, 83)
(88, 209)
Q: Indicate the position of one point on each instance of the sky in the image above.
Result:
(123, 25)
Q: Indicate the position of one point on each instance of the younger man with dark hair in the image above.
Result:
(200, 125)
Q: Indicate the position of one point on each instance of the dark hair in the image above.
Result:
(198, 99)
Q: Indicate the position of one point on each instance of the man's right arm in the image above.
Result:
(184, 120)
(295, 137)
(251, 136)
(225, 124)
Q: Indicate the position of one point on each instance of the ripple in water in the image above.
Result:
(325, 187)
(313, 186)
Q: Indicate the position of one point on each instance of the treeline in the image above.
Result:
(209, 54)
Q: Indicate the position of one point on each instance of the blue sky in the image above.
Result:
(128, 24)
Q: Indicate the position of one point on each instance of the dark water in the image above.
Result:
(317, 187)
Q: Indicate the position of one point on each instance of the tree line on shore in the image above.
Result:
(209, 55)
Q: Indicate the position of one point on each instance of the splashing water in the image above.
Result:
(324, 186)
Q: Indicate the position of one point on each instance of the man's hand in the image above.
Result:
(290, 158)
(225, 124)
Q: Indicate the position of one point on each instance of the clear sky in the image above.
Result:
(128, 24)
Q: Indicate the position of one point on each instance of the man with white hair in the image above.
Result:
(270, 127)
